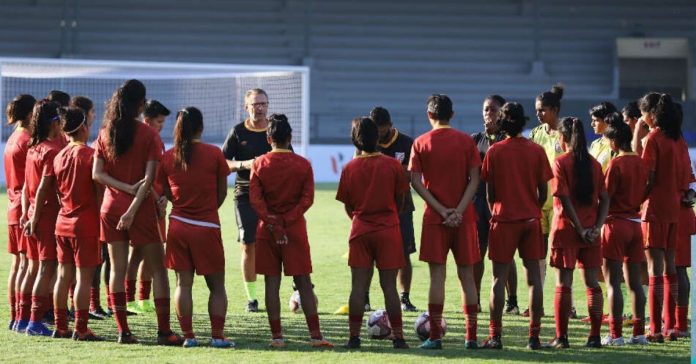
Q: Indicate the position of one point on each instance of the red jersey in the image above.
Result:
(40, 163)
(129, 167)
(515, 167)
(444, 156)
(563, 185)
(79, 213)
(281, 184)
(626, 178)
(661, 155)
(370, 185)
(195, 190)
(15, 157)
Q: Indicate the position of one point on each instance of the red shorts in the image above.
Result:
(567, 248)
(622, 240)
(438, 240)
(81, 252)
(16, 241)
(144, 230)
(293, 258)
(191, 247)
(506, 237)
(42, 246)
(383, 247)
(659, 235)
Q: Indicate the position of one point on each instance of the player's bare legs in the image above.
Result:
(656, 270)
(633, 277)
(309, 307)
(134, 261)
(536, 299)
(595, 304)
(272, 297)
(66, 275)
(387, 280)
(153, 255)
(248, 264)
(360, 279)
(613, 272)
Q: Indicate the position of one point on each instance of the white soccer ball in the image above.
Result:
(378, 326)
(295, 304)
(422, 326)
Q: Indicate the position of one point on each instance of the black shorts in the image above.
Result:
(482, 222)
(246, 219)
(407, 235)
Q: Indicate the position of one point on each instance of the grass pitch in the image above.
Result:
(328, 229)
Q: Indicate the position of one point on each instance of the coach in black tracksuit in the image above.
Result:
(398, 145)
(246, 141)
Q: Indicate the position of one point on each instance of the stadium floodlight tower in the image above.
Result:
(216, 89)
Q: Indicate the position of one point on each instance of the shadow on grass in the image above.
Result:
(251, 333)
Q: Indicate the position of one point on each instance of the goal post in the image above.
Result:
(216, 89)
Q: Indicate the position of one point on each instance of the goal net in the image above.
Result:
(216, 89)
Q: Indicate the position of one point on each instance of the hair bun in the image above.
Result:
(558, 90)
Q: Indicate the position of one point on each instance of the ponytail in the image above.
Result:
(19, 109)
(573, 131)
(44, 114)
(667, 118)
(189, 122)
(120, 117)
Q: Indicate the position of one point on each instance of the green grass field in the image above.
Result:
(328, 232)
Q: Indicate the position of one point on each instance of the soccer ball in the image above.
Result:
(378, 326)
(422, 326)
(295, 304)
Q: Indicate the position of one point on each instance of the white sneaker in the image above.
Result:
(619, 341)
(639, 340)
(606, 341)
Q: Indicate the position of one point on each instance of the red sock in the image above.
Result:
(144, 292)
(276, 329)
(130, 290)
(682, 322)
(162, 310)
(561, 307)
(12, 298)
(94, 299)
(435, 312)
(616, 326)
(655, 298)
(638, 327)
(495, 328)
(217, 327)
(397, 325)
(81, 320)
(39, 307)
(61, 319)
(354, 324)
(118, 301)
(25, 307)
(186, 323)
(669, 304)
(470, 314)
(313, 325)
(595, 305)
